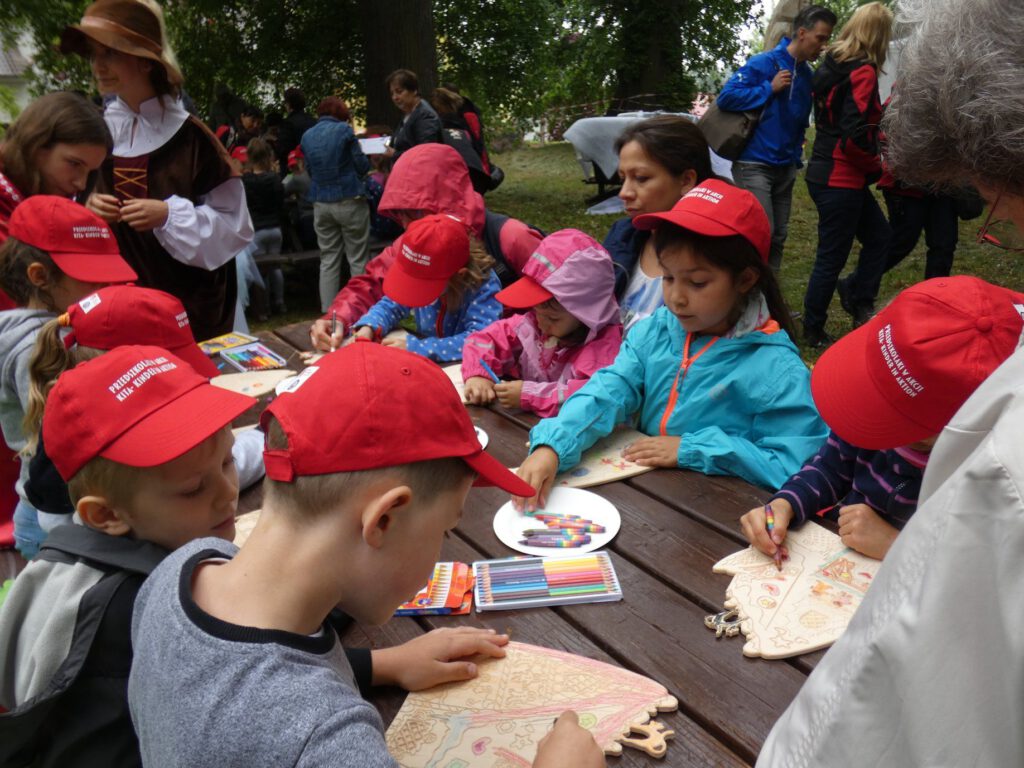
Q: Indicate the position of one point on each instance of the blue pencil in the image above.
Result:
(490, 373)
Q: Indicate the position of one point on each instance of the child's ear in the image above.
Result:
(38, 274)
(379, 514)
(746, 280)
(97, 512)
(463, 272)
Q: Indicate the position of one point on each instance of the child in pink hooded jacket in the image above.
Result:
(572, 329)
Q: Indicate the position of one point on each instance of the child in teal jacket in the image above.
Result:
(715, 380)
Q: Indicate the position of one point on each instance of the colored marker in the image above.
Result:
(770, 524)
(492, 374)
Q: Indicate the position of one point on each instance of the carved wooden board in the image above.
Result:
(808, 604)
(497, 719)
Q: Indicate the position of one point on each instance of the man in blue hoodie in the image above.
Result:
(778, 80)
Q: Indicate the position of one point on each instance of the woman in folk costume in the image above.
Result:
(168, 190)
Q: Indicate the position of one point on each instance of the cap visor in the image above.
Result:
(95, 268)
(195, 357)
(685, 219)
(524, 293)
(178, 427)
(492, 472)
(411, 292)
(849, 400)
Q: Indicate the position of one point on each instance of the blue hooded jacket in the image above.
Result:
(779, 136)
(744, 407)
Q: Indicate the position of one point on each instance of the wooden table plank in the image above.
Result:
(296, 335)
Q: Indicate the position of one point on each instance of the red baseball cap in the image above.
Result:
(241, 154)
(78, 241)
(550, 255)
(430, 251)
(294, 156)
(717, 209)
(902, 376)
(126, 314)
(135, 405)
(367, 406)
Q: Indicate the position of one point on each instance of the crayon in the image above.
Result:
(491, 373)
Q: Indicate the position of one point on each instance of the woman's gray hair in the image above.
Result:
(957, 111)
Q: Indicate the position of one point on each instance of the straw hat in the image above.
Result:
(127, 26)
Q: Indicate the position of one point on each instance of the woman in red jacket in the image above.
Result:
(844, 163)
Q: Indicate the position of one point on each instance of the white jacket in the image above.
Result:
(930, 671)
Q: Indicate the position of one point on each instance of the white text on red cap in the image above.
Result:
(139, 374)
(894, 362)
(89, 231)
(705, 194)
(415, 257)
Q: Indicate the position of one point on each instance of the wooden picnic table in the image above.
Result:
(675, 525)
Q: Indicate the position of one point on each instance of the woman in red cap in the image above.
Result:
(168, 191)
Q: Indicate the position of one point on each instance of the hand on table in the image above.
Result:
(143, 214)
(510, 393)
(107, 207)
(654, 451)
(363, 332)
(568, 745)
(479, 390)
(436, 657)
(861, 529)
(755, 528)
(398, 343)
(320, 335)
(539, 471)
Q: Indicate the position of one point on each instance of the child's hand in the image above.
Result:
(861, 528)
(429, 660)
(399, 343)
(479, 390)
(320, 335)
(754, 525)
(107, 207)
(364, 332)
(539, 471)
(510, 393)
(568, 745)
(143, 215)
(654, 451)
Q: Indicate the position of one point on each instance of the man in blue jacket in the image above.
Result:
(778, 80)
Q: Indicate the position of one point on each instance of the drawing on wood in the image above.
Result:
(603, 462)
(252, 383)
(497, 719)
(807, 605)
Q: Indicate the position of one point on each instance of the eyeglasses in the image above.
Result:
(1001, 233)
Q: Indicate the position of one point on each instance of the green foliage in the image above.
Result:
(518, 59)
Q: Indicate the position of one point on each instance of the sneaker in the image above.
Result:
(862, 313)
(816, 338)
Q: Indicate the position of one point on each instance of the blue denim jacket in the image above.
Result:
(335, 162)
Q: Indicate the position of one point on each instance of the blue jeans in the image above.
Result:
(772, 185)
(845, 214)
(28, 536)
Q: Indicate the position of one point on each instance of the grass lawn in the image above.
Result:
(543, 186)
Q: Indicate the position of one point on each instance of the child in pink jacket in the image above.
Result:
(572, 330)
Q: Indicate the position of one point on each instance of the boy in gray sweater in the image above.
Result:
(234, 661)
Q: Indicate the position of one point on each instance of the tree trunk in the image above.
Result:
(398, 34)
(650, 37)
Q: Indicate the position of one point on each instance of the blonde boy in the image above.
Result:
(369, 461)
(144, 442)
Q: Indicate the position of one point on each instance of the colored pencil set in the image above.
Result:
(562, 531)
(449, 592)
(252, 357)
(225, 341)
(528, 582)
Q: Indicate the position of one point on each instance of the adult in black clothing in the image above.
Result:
(296, 123)
(421, 124)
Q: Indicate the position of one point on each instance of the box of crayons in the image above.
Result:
(227, 341)
(449, 592)
(530, 582)
(252, 357)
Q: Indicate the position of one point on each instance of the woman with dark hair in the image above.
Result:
(660, 160)
(341, 216)
(168, 190)
(421, 124)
